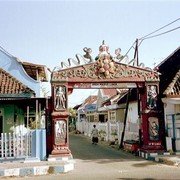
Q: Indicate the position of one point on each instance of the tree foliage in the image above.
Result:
(72, 112)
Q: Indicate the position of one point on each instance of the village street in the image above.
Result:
(104, 162)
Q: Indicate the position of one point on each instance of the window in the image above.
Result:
(112, 115)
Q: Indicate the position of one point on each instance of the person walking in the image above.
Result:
(94, 134)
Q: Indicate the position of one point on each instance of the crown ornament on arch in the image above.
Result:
(104, 61)
(104, 66)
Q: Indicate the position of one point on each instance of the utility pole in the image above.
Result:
(125, 119)
(136, 54)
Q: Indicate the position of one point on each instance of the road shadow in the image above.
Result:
(143, 164)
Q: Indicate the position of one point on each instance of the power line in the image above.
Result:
(146, 36)
(159, 34)
(140, 40)
(162, 33)
(130, 48)
(159, 29)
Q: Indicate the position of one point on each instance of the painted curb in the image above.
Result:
(152, 156)
(161, 158)
(38, 170)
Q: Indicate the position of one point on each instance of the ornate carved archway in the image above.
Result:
(104, 72)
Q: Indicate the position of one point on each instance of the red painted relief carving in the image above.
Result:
(60, 132)
(152, 96)
(96, 71)
(153, 128)
(105, 68)
(60, 97)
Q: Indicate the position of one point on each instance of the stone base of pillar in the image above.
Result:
(64, 157)
(152, 148)
(60, 158)
(62, 151)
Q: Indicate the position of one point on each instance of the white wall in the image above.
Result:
(172, 107)
(133, 112)
(109, 127)
(12, 66)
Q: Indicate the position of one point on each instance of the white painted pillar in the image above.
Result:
(36, 112)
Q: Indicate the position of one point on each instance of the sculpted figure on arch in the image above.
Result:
(60, 97)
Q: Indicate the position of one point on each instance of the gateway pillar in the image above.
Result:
(60, 136)
(151, 121)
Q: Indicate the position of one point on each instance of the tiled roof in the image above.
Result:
(120, 94)
(132, 97)
(109, 92)
(77, 106)
(167, 58)
(35, 71)
(90, 100)
(10, 85)
(169, 70)
(174, 87)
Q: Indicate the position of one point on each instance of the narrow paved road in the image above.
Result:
(83, 149)
(101, 162)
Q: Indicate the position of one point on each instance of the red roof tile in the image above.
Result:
(109, 92)
(90, 100)
(174, 87)
(10, 85)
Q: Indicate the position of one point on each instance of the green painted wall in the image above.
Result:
(12, 116)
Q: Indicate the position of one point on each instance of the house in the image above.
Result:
(110, 114)
(86, 113)
(22, 105)
(111, 107)
(116, 110)
(169, 91)
(103, 96)
(131, 121)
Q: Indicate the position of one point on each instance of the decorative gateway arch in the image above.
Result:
(105, 72)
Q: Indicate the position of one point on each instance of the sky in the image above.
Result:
(48, 32)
